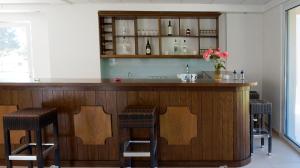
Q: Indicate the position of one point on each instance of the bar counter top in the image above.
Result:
(128, 82)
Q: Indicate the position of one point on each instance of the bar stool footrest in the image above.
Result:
(17, 156)
(22, 157)
(127, 153)
(136, 154)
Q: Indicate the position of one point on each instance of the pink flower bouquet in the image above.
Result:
(217, 56)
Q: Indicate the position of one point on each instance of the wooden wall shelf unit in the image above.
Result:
(124, 34)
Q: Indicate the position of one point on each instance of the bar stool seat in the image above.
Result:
(138, 117)
(31, 119)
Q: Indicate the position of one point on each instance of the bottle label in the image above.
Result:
(148, 51)
(170, 30)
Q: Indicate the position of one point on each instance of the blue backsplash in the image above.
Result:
(151, 68)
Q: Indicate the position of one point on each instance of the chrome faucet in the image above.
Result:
(130, 75)
(187, 69)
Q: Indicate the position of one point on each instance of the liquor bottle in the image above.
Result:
(148, 48)
(170, 29)
(235, 76)
(175, 47)
(184, 47)
(188, 32)
(242, 77)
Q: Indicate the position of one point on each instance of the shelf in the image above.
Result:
(137, 29)
(120, 36)
(201, 36)
(151, 56)
(154, 36)
(157, 36)
(183, 36)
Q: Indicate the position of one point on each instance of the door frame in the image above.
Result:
(286, 7)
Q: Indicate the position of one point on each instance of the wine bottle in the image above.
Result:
(175, 47)
(148, 48)
(170, 29)
(184, 47)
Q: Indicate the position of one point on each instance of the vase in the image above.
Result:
(217, 75)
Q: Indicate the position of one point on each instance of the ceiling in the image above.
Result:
(245, 2)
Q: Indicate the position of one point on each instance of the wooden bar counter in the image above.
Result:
(205, 123)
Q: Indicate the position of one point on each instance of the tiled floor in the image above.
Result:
(283, 156)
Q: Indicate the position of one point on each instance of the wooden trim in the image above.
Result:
(159, 33)
(100, 33)
(134, 15)
(115, 163)
(159, 13)
(152, 56)
(89, 124)
(136, 40)
(178, 125)
(113, 33)
(199, 45)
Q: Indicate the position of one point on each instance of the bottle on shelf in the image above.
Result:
(188, 32)
(170, 29)
(184, 47)
(176, 47)
(235, 76)
(242, 77)
(124, 31)
(148, 48)
(125, 46)
(187, 69)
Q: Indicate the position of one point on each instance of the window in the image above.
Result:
(292, 125)
(15, 51)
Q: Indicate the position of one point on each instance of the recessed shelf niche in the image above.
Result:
(125, 34)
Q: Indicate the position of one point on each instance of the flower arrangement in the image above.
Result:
(219, 59)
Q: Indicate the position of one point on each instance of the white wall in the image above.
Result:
(40, 41)
(273, 63)
(73, 49)
(74, 41)
(245, 44)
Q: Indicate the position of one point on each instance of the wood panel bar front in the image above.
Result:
(218, 135)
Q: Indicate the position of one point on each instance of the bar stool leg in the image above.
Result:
(39, 148)
(270, 134)
(56, 141)
(7, 147)
(262, 142)
(261, 126)
(124, 134)
(152, 143)
(251, 133)
(28, 141)
(155, 150)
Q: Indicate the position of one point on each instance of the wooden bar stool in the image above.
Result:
(138, 117)
(31, 119)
